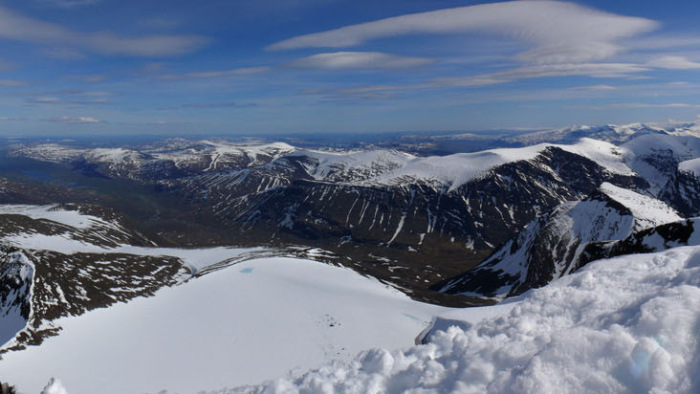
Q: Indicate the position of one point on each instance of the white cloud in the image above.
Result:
(11, 83)
(363, 92)
(77, 120)
(595, 70)
(10, 118)
(647, 105)
(557, 32)
(217, 73)
(93, 78)
(673, 63)
(594, 88)
(14, 26)
(69, 3)
(63, 53)
(58, 100)
(358, 60)
(664, 42)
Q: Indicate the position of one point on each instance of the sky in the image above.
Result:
(235, 67)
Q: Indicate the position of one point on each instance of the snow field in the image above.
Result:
(251, 322)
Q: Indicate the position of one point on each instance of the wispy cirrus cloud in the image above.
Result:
(654, 105)
(62, 101)
(216, 73)
(16, 27)
(11, 83)
(68, 3)
(358, 60)
(594, 88)
(364, 92)
(673, 63)
(74, 120)
(11, 118)
(219, 105)
(595, 70)
(69, 97)
(633, 106)
(214, 105)
(89, 78)
(556, 32)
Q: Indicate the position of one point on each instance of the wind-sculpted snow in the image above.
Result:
(624, 325)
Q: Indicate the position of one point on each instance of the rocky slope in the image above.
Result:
(552, 245)
(44, 275)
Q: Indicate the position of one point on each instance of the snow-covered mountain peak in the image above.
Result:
(458, 169)
(611, 133)
(648, 212)
(350, 165)
(55, 153)
(115, 155)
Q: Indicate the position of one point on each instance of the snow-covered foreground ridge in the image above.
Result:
(624, 325)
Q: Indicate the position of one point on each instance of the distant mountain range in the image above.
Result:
(460, 229)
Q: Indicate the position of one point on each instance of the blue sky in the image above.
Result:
(323, 66)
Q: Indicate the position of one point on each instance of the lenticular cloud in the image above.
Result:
(557, 32)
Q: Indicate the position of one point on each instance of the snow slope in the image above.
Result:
(56, 214)
(194, 259)
(656, 157)
(351, 166)
(68, 243)
(221, 152)
(647, 212)
(242, 325)
(692, 166)
(458, 169)
(624, 325)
